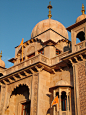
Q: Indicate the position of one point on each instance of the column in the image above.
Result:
(85, 31)
(59, 101)
(54, 106)
(36, 53)
(70, 103)
(73, 37)
(67, 102)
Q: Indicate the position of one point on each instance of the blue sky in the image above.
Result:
(18, 18)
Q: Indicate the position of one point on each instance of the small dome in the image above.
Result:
(44, 25)
(62, 83)
(2, 64)
(83, 16)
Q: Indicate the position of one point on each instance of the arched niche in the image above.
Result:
(21, 90)
(19, 101)
(80, 37)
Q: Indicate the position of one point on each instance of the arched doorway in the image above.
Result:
(19, 101)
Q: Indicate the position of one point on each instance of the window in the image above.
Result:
(80, 37)
(31, 55)
(64, 101)
(41, 51)
(57, 52)
(26, 108)
(21, 59)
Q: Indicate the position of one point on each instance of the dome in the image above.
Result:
(44, 25)
(62, 83)
(2, 64)
(83, 16)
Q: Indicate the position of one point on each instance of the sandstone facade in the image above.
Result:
(52, 66)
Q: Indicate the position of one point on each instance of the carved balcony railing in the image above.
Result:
(64, 112)
(81, 45)
(58, 58)
(33, 60)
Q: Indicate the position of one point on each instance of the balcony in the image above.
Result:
(57, 59)
(35, 59)
(81, 45)
(31, 61)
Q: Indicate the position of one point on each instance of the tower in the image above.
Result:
(78, 60)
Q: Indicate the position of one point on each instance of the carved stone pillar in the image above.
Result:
(3, 88)
(67, 102)
(54, 106)
(34, 97)
(59, 101)
(70, 103)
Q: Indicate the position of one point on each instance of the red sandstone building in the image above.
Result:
(46, 66)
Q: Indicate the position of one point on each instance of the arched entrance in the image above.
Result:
(19, 101)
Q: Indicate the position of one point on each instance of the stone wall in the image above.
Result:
(7, 92)
(43, 93)
(65, 75)
(82, 86)
(3, 92)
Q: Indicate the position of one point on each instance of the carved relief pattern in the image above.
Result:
(44, 59)
(35, 94)
(33, 60)
(82, 87)
(2, 98)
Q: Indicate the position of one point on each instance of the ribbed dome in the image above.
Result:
(2, 64)
(62, 83)
(47, 24)
(83, 16)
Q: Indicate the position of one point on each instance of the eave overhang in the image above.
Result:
(74, 54)
(75, 25)
(55, 87)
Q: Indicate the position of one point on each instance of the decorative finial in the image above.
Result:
(83, 10)
(0, 54)
(49, 7)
